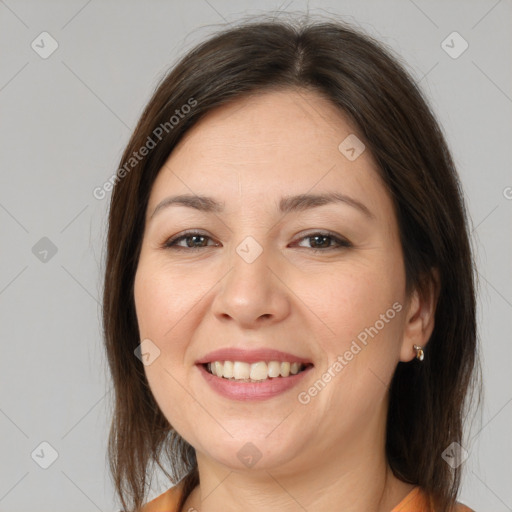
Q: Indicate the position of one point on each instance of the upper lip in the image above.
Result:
(250, 356)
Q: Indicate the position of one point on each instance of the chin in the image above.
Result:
(253, 449)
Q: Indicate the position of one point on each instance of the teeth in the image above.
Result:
(274, 369)
(239, 370)
(227, 371)
(294, 368)
(218, 367)
(259, 371)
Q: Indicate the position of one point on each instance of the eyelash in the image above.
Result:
(171, 243)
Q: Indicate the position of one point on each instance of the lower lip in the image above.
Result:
(263, 390)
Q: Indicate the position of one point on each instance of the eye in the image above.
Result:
(322, 241)
(195, 240)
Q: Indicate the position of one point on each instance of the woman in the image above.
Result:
(289, 305)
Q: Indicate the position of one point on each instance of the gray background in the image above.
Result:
(64, 122)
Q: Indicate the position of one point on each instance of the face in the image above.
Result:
(245, 269)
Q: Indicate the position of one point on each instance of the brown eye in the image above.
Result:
(193, 240)
(325, 241)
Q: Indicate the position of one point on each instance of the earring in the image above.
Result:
(420, 355)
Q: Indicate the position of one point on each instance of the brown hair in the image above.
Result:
(365, 81)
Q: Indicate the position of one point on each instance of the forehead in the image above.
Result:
(278, 142)
(287, 123)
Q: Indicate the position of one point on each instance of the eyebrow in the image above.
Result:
(287, 204)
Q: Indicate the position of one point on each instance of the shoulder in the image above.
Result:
(419, 501)
(166, 502)
(459, 507)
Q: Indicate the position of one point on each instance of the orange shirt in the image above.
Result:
(415, 501)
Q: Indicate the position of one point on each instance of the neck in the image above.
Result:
(230, 492)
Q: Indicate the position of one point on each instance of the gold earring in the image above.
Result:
(420, 355)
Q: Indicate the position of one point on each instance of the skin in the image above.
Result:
(249, 154)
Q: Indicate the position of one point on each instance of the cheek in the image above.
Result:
(162, 302)
(161, 316)
(364, 310)
(161, 307)
(352, 301)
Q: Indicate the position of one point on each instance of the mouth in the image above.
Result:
(256, 374)
(260, 371)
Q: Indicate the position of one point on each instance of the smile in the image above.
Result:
(241, 371)
(252, 374)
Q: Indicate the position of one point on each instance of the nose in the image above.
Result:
(253, 293)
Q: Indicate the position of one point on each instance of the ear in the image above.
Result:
(420, 314)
